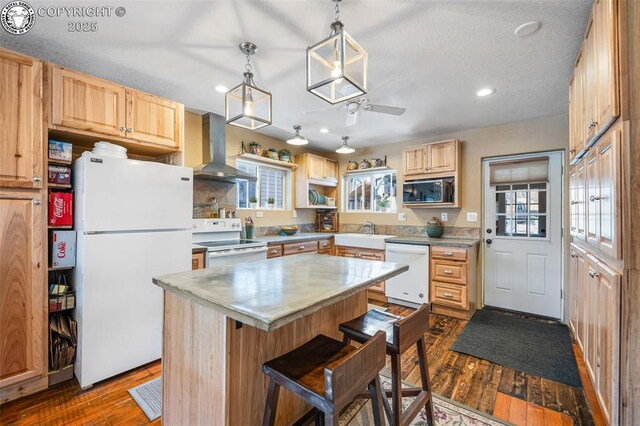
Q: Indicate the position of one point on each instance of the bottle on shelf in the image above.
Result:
(214, 207)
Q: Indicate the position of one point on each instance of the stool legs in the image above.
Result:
(424, 378)
(375, 389)
(396, 389)
(270, 407)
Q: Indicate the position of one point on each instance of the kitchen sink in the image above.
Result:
(369, 241)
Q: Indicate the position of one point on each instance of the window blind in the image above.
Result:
(528, 170)
(272, 186)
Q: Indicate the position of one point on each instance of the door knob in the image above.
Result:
(489, 241)
(489, 230)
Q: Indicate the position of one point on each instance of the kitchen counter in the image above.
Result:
(428, 241)
(222, 324)
(271, 293)
(306, 236)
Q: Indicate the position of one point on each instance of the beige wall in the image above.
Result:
(544, 134)
(225, 193)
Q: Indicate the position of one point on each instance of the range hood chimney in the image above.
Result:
(214, 151)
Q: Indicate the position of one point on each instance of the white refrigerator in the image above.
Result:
(133, 222)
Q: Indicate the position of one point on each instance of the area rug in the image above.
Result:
(537, 347)
(445, 412)
(149, 397)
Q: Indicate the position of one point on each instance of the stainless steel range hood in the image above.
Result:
(215, 151)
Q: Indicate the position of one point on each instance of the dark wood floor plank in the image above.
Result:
(534, 390)
(507, 381)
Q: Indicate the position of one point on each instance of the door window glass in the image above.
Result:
(521, 210)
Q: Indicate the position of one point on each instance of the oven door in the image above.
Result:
(424, 191)
(235, 256)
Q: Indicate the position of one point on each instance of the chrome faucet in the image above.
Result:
(369, 227)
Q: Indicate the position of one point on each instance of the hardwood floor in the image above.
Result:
(507, 394)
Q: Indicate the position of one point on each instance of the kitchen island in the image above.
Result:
(221, 324)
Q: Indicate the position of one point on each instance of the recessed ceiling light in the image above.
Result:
(222, 89)
(485, 92)
(527, 29)
(324, 130)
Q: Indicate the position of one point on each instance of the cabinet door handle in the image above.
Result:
(448, 271)
(274, 251)
(572, 150)
(122, 129)
(301, 248)
(449, 295)
(594, 198)
(37, 179)
(448, 253)
(37, 202)
(573, 254)
(593, 274)
(130, 130)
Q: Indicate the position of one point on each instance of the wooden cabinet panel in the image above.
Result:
(441, 157)
(330, 170)
(608, 221)
(593, 304)
(592, 194)
(315, 167)
(449, 294)
(576, 112)
(414, 161)
(21, 156)
(23, 309)
(455, 253)
(88, 103)
(274, 250)
(197, 260)
(606, 48)
(577, 180)
(296, 248)
(154, 120)
(577, 294)
(325, 246)
(590, 85)
(450, 272)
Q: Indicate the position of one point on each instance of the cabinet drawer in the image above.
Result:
(455, 253)
(325, 245)
(452, 272)
(296, 248)
(449, 294)
(378, 287)
(197, 260)
(274, 251)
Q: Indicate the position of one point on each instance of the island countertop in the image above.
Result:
(271, 293)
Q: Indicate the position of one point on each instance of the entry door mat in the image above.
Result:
(533, 346)
(149, 397)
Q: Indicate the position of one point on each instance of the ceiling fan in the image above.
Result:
(353, 108)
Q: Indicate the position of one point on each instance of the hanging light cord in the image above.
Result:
(336, 25)
(248, 74)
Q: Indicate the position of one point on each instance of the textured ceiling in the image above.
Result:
(427, 56)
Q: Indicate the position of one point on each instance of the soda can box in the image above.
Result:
(60, 175)
(60, 208)
(63, 249)
(59, 150)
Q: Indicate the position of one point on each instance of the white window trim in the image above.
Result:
(286, 192)
(345, 193)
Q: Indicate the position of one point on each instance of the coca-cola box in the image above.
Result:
(63, 249)
(60, 208)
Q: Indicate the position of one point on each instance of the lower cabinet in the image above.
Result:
(376, 291)
(322, 245)
(23, 304)
(594, 291)
(452, 280)
(197, 260)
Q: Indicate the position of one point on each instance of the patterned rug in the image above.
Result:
(445, 411)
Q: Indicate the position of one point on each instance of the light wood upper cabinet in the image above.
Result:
(153, 119)
(592, 193)
(576, 113)
(331, 169)
(321, 169)
(414, 161)
(441, 156)
(606, 49)
(21, 157)
(590, 84)
(23, 309)
(84, 102)
(608, 221)
(578, 218)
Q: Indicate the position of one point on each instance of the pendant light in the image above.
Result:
(297, 139)
(246, 105)
(345, 149)
(337, 66)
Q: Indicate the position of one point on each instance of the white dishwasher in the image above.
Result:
(412, 287)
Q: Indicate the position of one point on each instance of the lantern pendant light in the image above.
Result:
(345, 149)
(337, 66)
(297, 139)
(246, 105)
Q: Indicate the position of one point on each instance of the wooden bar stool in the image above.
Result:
(328, 374)
(402, 333)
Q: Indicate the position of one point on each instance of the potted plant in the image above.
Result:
(383, 203)
(285, 155)
(271, 203)
(272, 153)
(255, 148)
(253, 202)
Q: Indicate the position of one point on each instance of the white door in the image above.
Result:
(114, 194)
(523, 236)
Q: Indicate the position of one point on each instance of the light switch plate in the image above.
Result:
(444, 217)
(472, 216)
(259, 214)
(295, 213)
(402, 217)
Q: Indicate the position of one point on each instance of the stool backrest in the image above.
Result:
(410, 329)
(349, 376)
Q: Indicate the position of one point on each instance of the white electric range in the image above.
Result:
(221, 238)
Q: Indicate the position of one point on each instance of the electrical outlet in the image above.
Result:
(472, 216)
(444, 217)
(259, 214)
(402, 217)
(295, 213)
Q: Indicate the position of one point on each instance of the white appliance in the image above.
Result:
(224, 246)
(133, 220)
(412, 287)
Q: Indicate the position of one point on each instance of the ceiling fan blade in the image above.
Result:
(385, 109)
(352, 118)
(333, 108)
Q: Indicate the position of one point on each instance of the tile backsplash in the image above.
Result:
(409, 230)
